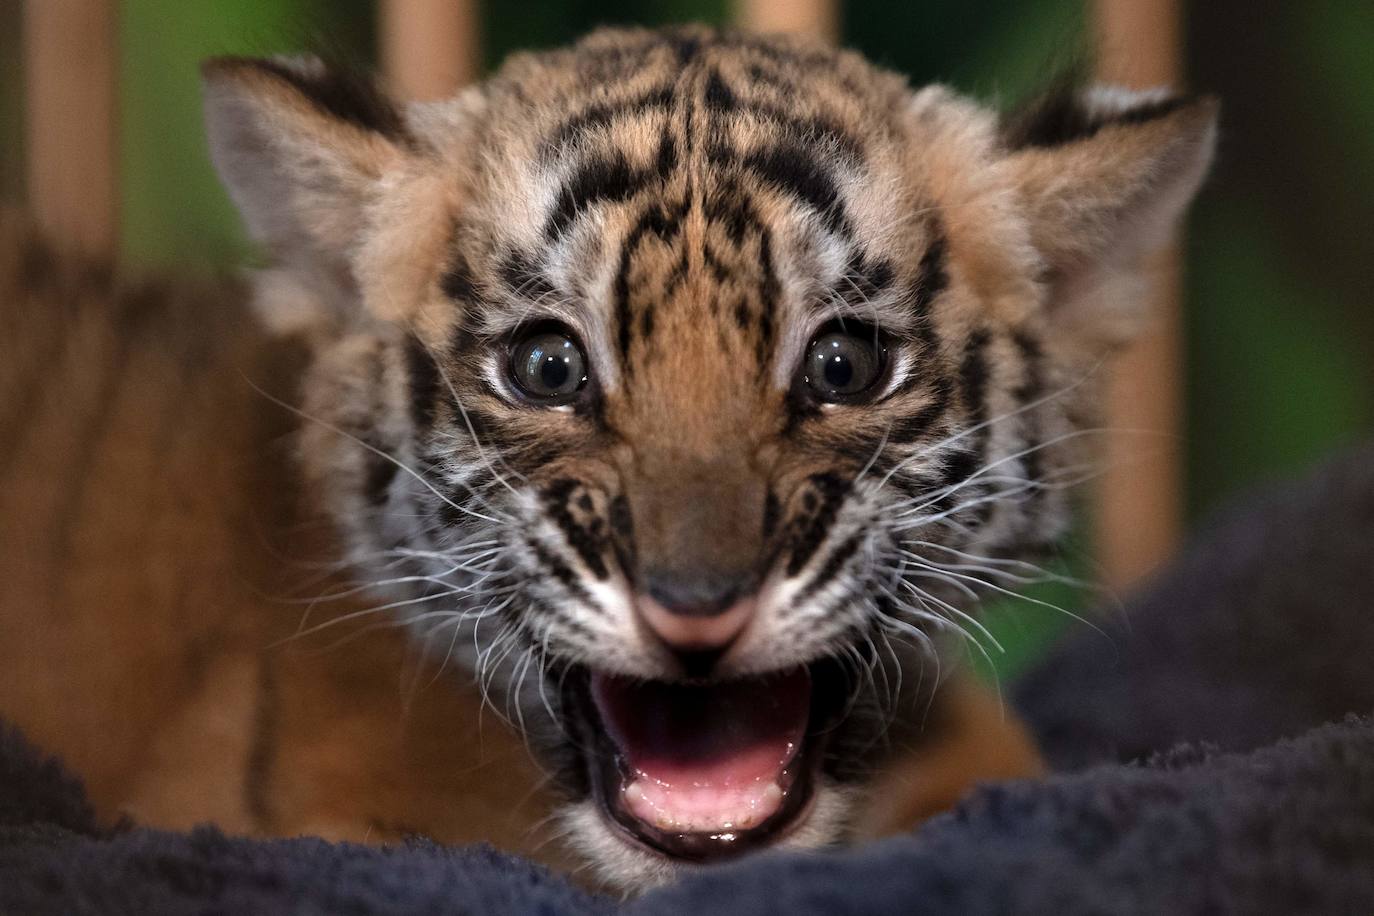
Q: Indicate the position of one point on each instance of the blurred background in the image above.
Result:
(1262, 357)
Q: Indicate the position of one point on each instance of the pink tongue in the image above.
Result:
(705, 757)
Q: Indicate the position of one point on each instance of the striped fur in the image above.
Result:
(694, 206)
(157, 561)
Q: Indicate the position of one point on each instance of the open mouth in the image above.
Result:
(705, 771)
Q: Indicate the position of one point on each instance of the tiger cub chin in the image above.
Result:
(688, 386)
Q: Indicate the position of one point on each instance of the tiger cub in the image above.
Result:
(688, 386)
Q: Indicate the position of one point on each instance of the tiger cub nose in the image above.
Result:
(697, 618)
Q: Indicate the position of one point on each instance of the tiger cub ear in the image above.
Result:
(1104, 176)
(300, 148)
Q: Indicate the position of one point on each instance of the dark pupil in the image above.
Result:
(549, 365)
(842, 364)
(839, 371)
(553, 371)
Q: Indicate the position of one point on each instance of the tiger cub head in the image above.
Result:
(688, 386)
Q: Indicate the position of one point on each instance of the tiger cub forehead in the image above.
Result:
(689, 176)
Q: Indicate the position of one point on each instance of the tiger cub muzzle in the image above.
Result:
(702, 762)
(699, 558)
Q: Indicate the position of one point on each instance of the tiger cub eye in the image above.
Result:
(548, 367)
(841, 365)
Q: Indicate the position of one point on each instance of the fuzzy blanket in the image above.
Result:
(1215, 760)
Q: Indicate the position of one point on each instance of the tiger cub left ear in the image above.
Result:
(1104, 176)
(301, 147)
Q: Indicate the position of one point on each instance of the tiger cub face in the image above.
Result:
(688, 385)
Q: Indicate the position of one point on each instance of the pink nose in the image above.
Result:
(689, 629)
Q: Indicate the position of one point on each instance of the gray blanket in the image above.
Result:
(1215, 759)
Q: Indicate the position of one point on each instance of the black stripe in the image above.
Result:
(524, 277)
(565, 619)
(825, 493)
(862, 450)
(771, 511)
(601, 179)
(771, 290)
(810, 131)
(795, 59)
(932, 275)
(488, 429)
(623, 315)
(764, 343)
(677, 276)
(832, 566)
(864, 280)
(742, 313)
(799, 406)
(621, 521)
(728, 205)
(959, 467)
(666, 160)
(916, 487)
(659, 98)
(590, 542)
(1062, 118)
(771, 78)
(663, 222)
(534, 453)
(657, 222)
(973, 377)
(453, 506)
(790, 167)
(769, 293)
(714, 263)
(719, 98)
(424, 383)
(340, 92)
(906, 430)
(380, 473)
(457, 282)
(685, 44)
(1029, 391)
(563, 573)
(464, 340)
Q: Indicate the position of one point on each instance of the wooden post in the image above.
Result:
(429, 48)
(70, 73)
(814, 18)
(1140, 503)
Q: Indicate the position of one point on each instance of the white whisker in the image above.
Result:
(376, 451)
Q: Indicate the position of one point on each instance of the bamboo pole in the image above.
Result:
(814, 18)
(429, 48)
(1140, 501)
(69, 86)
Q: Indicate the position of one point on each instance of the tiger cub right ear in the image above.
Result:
(300, 148)
(1104, 175)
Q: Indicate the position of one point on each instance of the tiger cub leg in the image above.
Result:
(971, 737)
